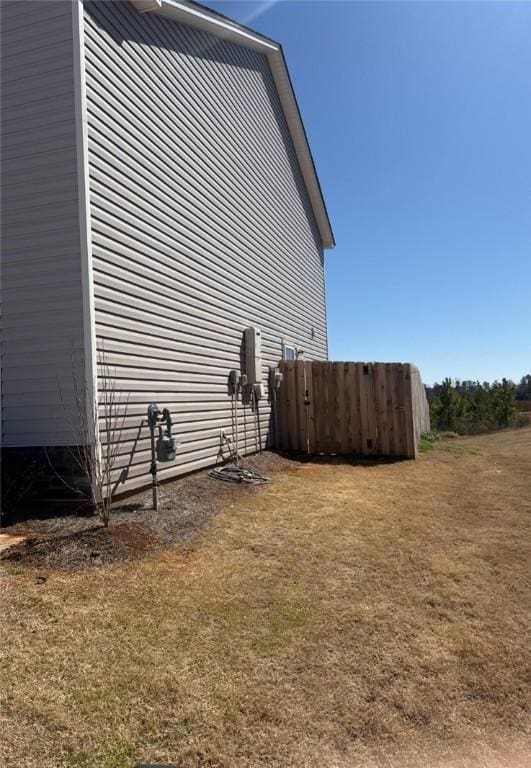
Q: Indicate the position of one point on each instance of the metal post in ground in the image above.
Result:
(153, 413)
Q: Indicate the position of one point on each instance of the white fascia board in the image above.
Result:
(143, 6)
(200, 18)
(196, 16)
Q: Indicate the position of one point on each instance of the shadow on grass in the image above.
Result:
(351, 459)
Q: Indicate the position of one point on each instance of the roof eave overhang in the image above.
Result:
(200, 18)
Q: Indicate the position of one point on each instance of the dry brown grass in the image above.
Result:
(344, 616)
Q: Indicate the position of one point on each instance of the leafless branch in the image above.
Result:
(87, 412)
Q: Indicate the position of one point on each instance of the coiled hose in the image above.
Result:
(238, 474)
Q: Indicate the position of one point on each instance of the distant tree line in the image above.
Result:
(471, 407)
(523, 388)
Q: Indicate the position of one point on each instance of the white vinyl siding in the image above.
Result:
(42, 317)
(201, 226)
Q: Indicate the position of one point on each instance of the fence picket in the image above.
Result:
(364, 420)
(399, 382)
(341, 408)
(292, 406)
(409, 426)
(319, 405)
(308, 374)
(302, 430)
(371, 411)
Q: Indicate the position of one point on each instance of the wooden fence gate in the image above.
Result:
(351, 408)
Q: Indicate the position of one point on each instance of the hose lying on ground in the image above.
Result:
(238, 474)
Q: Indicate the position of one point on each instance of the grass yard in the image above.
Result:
(343, 616)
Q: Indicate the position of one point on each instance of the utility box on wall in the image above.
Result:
(253, 355)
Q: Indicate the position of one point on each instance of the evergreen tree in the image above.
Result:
(479, 405)
(446, 406)
(503, 406)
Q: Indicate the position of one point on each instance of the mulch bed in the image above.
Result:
(186, 505)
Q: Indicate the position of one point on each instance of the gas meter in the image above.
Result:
(165, 447)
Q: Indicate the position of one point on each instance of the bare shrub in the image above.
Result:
(91, 407)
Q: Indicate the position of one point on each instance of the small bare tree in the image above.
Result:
(93, 413)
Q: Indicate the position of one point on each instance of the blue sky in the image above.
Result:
(419, 120)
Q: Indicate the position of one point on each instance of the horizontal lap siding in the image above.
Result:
(42, 317)
(201, 226)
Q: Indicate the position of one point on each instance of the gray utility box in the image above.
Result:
(253, 355)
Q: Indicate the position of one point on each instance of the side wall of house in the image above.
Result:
(41, 264)
(42, 308)
(201, 226)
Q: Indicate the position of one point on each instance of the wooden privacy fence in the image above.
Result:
(351, 408)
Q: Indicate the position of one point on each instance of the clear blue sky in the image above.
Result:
(419, 120)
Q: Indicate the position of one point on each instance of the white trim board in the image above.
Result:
(85, 239)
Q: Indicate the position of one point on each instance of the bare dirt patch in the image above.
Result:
(186, 507)
(344, 616)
